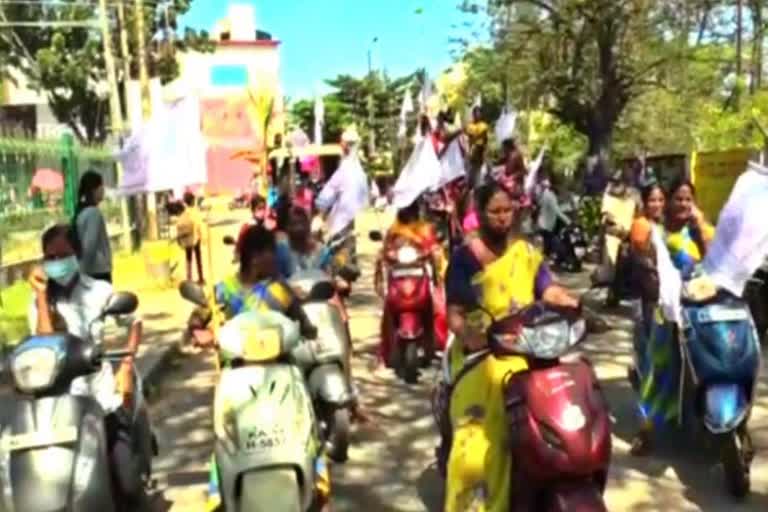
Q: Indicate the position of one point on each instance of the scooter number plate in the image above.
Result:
(261, 345)
(38, 439)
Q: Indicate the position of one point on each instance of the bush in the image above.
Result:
(13, 312)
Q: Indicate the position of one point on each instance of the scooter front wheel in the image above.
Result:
(411, 363)
(736, 455)
(338, 436)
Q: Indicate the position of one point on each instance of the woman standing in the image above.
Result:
(496, 271)
(93, 245)
(687, 236)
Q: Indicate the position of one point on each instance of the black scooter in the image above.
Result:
(61, 452)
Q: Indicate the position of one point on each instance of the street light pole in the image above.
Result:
(371, 106)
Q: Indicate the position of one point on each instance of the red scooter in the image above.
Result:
(558, 419)
(409, 279)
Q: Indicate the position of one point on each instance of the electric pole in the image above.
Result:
(146, 107)
(124, 50)
(115, 111)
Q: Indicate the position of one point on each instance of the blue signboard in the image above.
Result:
(229, 76)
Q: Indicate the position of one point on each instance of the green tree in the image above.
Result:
(349, 103)
(67, 63)
(584, 61)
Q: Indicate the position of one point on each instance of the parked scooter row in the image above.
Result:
(59, 451)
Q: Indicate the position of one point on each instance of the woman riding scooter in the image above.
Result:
(409, 228)
(494, 271)
(257, 286)
(298, 250)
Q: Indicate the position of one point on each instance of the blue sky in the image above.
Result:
(324, 38)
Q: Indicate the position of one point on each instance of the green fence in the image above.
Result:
(24, 210)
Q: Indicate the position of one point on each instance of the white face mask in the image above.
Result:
(62, 271)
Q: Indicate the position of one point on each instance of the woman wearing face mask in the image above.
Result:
(67, 300)
(499, 271)
(91, 228)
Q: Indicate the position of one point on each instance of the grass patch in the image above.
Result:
(13, 312)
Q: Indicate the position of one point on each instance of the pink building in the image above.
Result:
(240, 95)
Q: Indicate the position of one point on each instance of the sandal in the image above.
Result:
(641, 444)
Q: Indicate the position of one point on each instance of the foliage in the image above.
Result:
(67, 64)
(350, 103)
(14, 305)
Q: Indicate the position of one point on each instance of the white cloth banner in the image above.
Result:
(452, 163)
(505, 126)
(741, 241)
(166, 153)
(670, 280)
(319, 119)
(533, 174)
(422, 172)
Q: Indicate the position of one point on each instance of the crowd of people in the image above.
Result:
(493, 265)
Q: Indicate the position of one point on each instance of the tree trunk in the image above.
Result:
(596, 177)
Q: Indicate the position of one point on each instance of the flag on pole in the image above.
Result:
(319, 119)
(406, 109)
(427, 91)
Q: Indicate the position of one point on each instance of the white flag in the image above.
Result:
(406, 109)
(740, 245)
(319, 119)
(478, 101)
(452, 163)
(407, 103)
(421, 173)
(427, 91)
(505, 126)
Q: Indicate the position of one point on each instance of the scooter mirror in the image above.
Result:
(322, 291)
(228, 240)
(375, 236)
(193, 293)
(121, 303)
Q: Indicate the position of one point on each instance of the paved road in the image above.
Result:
(391, 462)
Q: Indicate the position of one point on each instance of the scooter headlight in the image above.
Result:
(34, 369)
(407, 255)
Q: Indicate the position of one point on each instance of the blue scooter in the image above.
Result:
(721, 352)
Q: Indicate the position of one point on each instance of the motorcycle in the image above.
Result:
(267, 443)
(328, 377)
(722, 355)
(59, 451)
(409, 280)
(574, 246)
(756, 295)
(558, 418)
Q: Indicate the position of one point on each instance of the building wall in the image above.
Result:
(236, 85)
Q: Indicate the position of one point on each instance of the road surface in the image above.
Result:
(391, 465)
